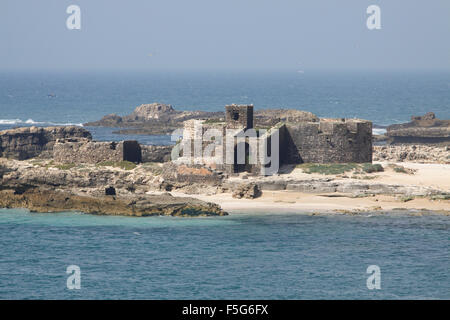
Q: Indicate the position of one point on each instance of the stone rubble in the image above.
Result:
(412, 153)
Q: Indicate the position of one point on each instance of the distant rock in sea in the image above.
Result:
(422, 129)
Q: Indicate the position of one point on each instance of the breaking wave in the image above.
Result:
(31, 121)
(378, 131)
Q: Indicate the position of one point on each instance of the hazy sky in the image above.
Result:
(225, 34)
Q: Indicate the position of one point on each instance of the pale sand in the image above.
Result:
(296, 202)
(427, 175)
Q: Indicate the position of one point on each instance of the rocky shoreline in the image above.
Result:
(61, 168)
(42, 186)
(48, 200)
(158, 188)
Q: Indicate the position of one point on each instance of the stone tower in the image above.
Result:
(239, 116)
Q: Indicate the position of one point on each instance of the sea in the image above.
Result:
(74, 98)
(241, 256)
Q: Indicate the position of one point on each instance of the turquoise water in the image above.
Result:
(242, 256)
(236, 257)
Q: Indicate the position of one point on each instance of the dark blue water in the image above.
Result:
(240, 256)
(76, 98)
(384, 98)
(237, 257)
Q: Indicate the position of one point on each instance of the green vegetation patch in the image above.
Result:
(441, 197)
(126, 165)
(400, 169)
(48, 164)
(65, 166)
(370, 167)
(340, 168)
(327, 168)
(406, 198)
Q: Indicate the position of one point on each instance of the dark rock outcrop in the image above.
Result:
(111, 120)
(43, 200)
(425, 129)
(427, 116)
(151, 111)
(31, 142)
(158, 118)
(154, 118)
(191, 174)
(247, 191)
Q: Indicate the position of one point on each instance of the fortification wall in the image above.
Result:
(324, 141)
(95, 152)
(156, 153)
(328, 141)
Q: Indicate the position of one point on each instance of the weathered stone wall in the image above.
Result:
(95, 152)
(31, 142)
(328, 141)
(237, 116)
(324, 141)
(156, 153)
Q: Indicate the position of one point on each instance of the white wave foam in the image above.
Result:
(378, 131)
(31, 121)
(10, 121)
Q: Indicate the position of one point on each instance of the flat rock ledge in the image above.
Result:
(45, 200)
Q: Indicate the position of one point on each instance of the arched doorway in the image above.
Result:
(242, 164)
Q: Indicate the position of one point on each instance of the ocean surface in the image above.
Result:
(241, 256)
(74, 98)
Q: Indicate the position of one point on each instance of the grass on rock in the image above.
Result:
(126, 165)
(340, 168)
(327, 168)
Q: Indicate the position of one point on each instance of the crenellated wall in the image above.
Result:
(328, 141)
(315, 141)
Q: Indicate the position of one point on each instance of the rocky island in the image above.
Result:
(157, 118)
(325, 165)
(426, 129)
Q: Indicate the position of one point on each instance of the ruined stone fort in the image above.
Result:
(311, 141)
(236, 145)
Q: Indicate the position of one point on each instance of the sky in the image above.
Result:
(295, 35)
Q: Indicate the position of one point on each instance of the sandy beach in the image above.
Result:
(425, 175)
(296, 202)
